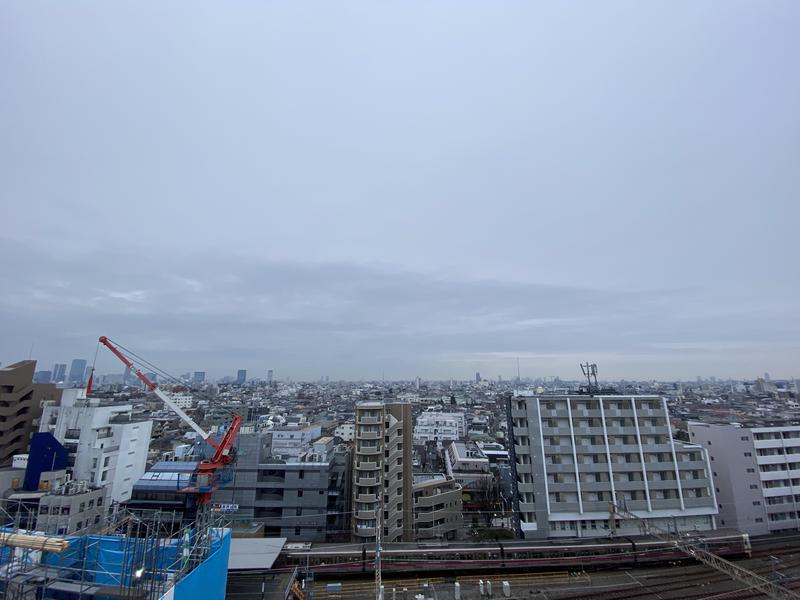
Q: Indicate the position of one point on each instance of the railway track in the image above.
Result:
(684, 582)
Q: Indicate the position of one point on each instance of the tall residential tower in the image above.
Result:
(382, 478)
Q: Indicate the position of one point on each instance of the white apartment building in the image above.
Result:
(382, 479)
(184, 401)
(346, 431)
(107, 448)
(468, 465)
(574, 455)
(438, 427)
(756, 473)
(290, 442)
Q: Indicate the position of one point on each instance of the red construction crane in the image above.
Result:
(204, 480)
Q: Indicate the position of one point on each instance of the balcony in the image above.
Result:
(368, 435)
(369, 451)
(367, 481)
(367, 466)
(369, 420)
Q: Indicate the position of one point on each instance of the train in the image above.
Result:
(572, 554)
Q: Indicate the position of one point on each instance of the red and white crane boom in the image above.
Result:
(222, 455)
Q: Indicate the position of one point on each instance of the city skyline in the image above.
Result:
(302, 188)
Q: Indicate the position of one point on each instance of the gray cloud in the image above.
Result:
(422, 190)
(353, 321)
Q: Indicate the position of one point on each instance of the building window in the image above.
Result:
(751, 470)
(753, 486)
(748, 454)
(759, 520)
(745, 438)
(299, 493)
(297, 531)
(756, 502)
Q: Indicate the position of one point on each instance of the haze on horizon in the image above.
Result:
(415, 189)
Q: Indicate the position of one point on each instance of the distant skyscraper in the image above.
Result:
(766, 376)
(42, 377)
(152, 377)
(86, 374)
(76, 371)
(199, 377)
(59, 372)
(269, 376)
(241, 376)
(477, 377)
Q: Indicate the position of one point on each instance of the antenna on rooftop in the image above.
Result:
(589, 371)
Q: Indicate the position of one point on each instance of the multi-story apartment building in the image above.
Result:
(438, 427)
(20, 407)
(382, 479)
(756, 473)
(437, 507)
(106, 446)
(574, 455)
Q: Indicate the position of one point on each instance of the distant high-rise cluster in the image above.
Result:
(77, 371)
(241, 376)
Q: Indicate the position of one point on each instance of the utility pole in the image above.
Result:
(378, 532)
(379, 516)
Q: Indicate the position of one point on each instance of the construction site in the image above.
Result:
(126, 556)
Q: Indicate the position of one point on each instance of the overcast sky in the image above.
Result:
(412, 188)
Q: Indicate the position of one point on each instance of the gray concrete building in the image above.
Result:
(756, 473)
(574, 455)
(382, 473)
(73, 507)
(302, 496)
(437, 507)
(20, 407)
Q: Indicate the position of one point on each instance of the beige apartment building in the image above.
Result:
(382, 478)
(20, 407)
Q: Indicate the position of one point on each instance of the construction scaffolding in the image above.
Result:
(136, 556)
